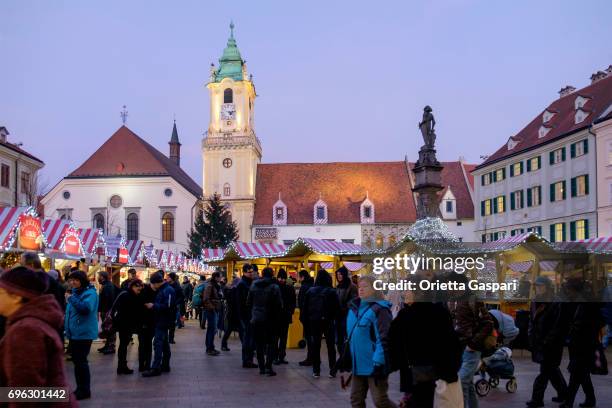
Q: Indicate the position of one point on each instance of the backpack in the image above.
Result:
(196, 298)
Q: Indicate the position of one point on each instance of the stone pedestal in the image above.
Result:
(428, 175)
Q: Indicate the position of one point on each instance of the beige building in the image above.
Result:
(18, 174)
(603, 131)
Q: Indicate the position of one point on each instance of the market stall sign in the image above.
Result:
(71, 243)
(30, 232)
(122, 255)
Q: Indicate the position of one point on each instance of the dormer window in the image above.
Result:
(448, 205)
(320, 212)
(547, 115)
(279, 212)
(512, 143)
(579, 102)
(366, 211)
(543, 131)
(580, 116)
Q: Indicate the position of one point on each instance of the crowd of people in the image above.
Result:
(366, 337)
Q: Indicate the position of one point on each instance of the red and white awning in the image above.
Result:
(520, 267)
(213, 254)
(252, 250)
(135, 251)
(91, 239)
(351, 266)
(9, 218)
(600, 245)
(548, 265)
(326, 247)
(54, 231)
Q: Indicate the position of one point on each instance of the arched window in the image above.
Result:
(98, 221)
(167, 227)
(132, 226)
(392, 240)
(228, 95)
(379, 241)
(227, 190)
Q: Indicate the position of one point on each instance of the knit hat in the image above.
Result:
(24, 282)
(157, 278)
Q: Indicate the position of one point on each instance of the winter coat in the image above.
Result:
(265, 302)
(108, 292)
(212, 298)
(288, 295)
(305, 285)
(547, 331)
(81, 321)
(164, 307)
(146, 319)
(369, 342)
(231, 315)
(128, 312)
(58, 292)
(31, 352)
(320, 303)
(345, 295)
(422, 334)
(180, 296)
(607, 305)
(198, 294)
(585, 322)
(242, 293)
(472, 321)
(187, 291)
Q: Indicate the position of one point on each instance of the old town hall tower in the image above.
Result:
(230, 149)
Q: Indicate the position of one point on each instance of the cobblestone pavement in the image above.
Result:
(201, 381)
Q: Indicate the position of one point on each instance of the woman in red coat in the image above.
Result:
(31, 352)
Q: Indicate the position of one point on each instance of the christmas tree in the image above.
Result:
(214, 227)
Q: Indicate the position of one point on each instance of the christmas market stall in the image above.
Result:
(64, 245)
(20, 230)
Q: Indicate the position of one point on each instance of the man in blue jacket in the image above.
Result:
(164, 310)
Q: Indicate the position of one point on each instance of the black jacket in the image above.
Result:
(265, 302)
(187, 290)
(547, 331)
(128, 312)
(288, 295)
(320, 303)
(180, 296)
(108, 291)
(165, 307)
(147, 317)
(345, 295)
(305, 285)
(243, 312)
(585, 323)
(422, 334)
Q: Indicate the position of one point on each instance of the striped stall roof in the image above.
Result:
(213, 254)
(113, 243)
(9, 217)
(150, 254)
(520, 267)
(510, 242)
(134, 248)
(548, 265)
(90, 238)
(599, 245)
(326, 247)
(251, 250)
(351, 266)
(54, 231)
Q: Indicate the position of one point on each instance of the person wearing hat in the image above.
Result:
(31, 352)
(81, 327)
(547, 332)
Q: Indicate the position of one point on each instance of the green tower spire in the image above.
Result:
(230, 63)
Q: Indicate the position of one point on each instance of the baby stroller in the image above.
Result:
(499, 365)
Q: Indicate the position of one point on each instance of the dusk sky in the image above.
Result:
(337, 81)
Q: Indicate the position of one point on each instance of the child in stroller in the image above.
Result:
(499, 365)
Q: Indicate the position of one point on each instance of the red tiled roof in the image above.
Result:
(19, 150)
(125, 154)
(343, 187)
(599, 96)
(468, 172)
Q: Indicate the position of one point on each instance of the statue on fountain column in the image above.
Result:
(427, 154)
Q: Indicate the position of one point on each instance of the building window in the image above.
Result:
(379, 241)
(486, 178)
(499, 174)
(25, 182)
(287, 242)
(98, 222)
(5, 175)
(227, 162)
(579, 148)
(517, 231)
(132, 226)
(535, 163)
(534, 196)
(167, 227)
(516, 200)
(367, 211)
(516, 169)
(557, 191)
(449, 206)
(557, 156)
(279, 214)
(116, 201)
(228, 95)
(580, 186)
(499, 205)
(392, 240)
(579, 230)
(226, 190)
(348, 241)
(320, 212)
(65, 214)
(459, 223)
(557, 232)
(536, 230)
(168, 192)
(485, 207)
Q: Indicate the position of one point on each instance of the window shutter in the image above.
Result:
(573, 150)
(529, 197)
(494, 205)
(573, 186)
(494, 176)
(539, 162)
(521, 167)
(512, 170)
(482, 183)
(482, 208)
(540, 195)
(586, 229)
(551, 158)
(563, 232)
(573, 231)
(552, 193)
(522, 199)
(563, 154)
(563, 195)
(503, 199)
(585, 148)
(586, 184)
(503, 173)
(512, 201)
(552, 232)
(528, 165)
